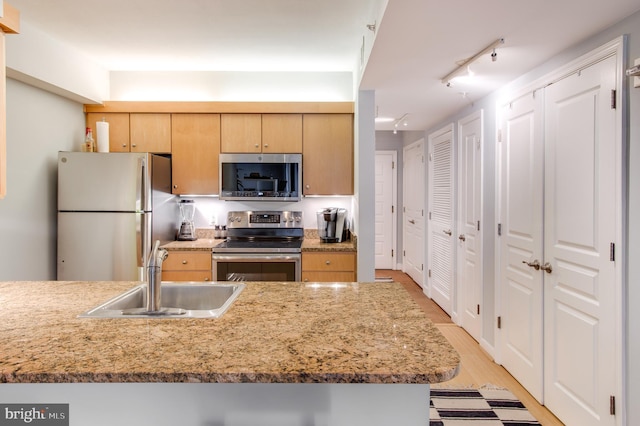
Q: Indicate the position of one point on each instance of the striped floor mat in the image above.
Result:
(486, 406)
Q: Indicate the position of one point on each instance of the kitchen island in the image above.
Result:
(284, 353)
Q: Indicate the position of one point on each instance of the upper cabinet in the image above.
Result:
(119, 139)
(241, 133)
(195, 133)
(150, 132)
(195, 153)
(282, 133)
(135, 132)
(327, 155)
(255, 133)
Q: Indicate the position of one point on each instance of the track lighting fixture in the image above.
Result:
(464, 66)
(372, 27)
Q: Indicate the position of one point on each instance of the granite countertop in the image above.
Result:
(273, 333)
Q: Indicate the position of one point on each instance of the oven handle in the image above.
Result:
(262, 257)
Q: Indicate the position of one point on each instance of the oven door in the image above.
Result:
(256, 267)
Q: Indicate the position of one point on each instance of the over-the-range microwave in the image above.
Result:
(261, 177)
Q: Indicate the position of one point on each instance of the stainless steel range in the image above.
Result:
(260, 246)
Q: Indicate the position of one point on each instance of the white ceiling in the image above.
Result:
(417, 42)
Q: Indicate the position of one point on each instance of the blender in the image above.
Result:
(187, 230)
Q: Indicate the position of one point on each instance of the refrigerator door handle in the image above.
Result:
(143, 242)
(141, 202)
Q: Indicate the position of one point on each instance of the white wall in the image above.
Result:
(39, 60)
(231, 86)
(39, 124)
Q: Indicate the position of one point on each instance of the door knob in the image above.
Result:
(535, 264)
(461, 237)
(547, 267)
(448, 232)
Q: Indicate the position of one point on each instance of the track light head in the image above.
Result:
(494, 56)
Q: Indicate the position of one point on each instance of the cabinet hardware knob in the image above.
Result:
(266, 145)
(448, 232)
(124, 145)
(133, 145)
(175, 186)
(206, 278)
(461, 237)
(547, 267)
(307, 186)
(535, 264)
(328, 262)
(184, 262)
(413, 222)
(256, 145)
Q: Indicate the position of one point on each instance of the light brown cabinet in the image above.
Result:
(241, 133)
(327, 154)
(119, 138)
(150, 133)
(195, 140)
(261, 133)
(329, 267)
(135, 132)
(187, 265)
(282, 133)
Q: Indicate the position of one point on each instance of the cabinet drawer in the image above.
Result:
(186, 275)
(328, 262)
(187, 261)
(337, 276)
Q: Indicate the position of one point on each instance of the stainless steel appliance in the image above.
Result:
(111, 206)
(261, 177)
(187, 231)
(260, 246)
(331, 224)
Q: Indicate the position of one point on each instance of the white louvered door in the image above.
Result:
(441, 221)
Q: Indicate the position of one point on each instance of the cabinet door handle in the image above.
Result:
(133, 145)
(124, 145)
(184, 262)
(327, 262)
(266, 145)
(448, 232)
(307, 186)
(413, 222)
(547, 267)
(175, 186)
(461, 237)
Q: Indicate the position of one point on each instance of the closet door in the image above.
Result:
(441, 220)
(469, 255)
(580, 224)
(522, 153)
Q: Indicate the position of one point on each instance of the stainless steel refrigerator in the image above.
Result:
(111, 208)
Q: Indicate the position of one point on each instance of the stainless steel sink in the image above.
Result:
(184, 300)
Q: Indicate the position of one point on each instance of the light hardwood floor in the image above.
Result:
(477, 367)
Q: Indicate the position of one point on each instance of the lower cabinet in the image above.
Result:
(329, 267)
(187, 265)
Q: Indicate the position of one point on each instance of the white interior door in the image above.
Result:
(521, 241)
(580, 225)
(413, 211)
(385, 224)
(441, 241)
(469, 280)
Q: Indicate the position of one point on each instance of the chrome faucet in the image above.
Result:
(154, 277)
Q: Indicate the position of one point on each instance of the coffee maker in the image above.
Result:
(187, 230)
(331, 224)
